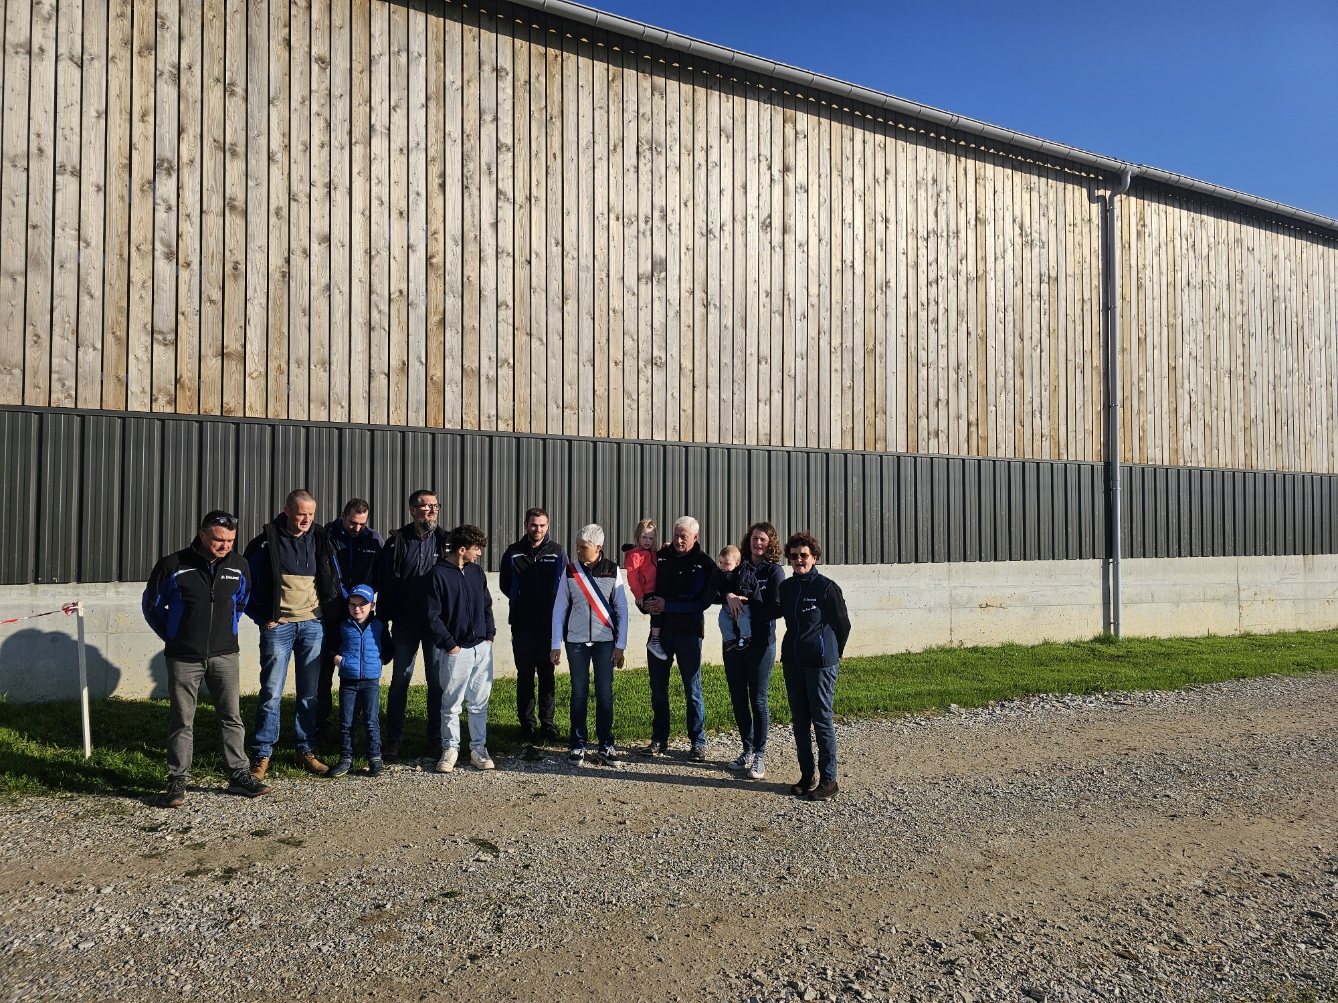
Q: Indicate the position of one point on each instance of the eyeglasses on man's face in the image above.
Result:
(428, 506)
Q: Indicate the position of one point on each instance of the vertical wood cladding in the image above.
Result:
(478, 217)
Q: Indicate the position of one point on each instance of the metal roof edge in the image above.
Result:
(804, 78)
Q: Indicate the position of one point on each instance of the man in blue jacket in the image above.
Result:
(531, 577)
(194, 601)
(685, 585)
(358, 549)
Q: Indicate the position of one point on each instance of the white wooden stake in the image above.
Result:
(83, 686)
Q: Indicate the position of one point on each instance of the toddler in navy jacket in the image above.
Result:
(364, 646)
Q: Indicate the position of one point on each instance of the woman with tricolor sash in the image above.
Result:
(590, 617)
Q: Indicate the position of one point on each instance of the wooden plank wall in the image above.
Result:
(351, 211)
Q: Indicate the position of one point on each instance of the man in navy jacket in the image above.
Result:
(358, 550)
(531, 575)
(685, 585)
(194, 601)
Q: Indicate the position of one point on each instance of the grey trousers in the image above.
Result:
(220, 674)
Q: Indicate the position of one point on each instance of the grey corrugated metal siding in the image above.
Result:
(98, 497)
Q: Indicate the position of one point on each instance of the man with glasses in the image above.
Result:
(407, 560)
(194, 601)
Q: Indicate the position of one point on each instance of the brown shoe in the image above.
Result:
(390, 751)
(259, 767)
(308, 761)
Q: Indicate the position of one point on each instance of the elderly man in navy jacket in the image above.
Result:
(685, 585)
(194, 601)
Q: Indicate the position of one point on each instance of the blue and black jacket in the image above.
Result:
(359, 556)
(530, 578)
(195, 608)
(817, 625)
(687, 584)
(275, 553)
(363, 649)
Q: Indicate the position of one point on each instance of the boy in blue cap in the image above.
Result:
(364, 646)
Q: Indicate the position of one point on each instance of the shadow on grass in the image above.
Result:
(41, 743)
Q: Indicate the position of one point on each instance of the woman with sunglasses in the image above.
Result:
(816, 629)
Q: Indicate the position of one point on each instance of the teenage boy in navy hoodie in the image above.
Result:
(364, 646)
(459, 618)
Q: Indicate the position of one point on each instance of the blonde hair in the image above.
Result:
(643, 526)
(730, 551)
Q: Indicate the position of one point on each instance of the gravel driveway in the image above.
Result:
(1169, 846)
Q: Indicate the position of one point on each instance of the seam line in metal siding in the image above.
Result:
(747, 63)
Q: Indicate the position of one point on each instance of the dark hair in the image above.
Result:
(467, 536)
(218, 517)
(804, 539)
(773, 553)
(533, 513)
(298, 495)
(355, 506)
(417, 497)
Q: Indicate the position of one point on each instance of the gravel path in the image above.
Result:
(1149, 846)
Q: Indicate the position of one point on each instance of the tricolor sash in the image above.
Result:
(598, 604)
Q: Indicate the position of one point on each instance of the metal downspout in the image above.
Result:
(1113, 382)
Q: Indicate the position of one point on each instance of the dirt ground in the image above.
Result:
(1145, 846)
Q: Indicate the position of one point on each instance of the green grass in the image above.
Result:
(41, 747)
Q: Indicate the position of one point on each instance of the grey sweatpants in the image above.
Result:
(220, 674)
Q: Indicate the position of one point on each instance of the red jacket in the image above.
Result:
(640, 565)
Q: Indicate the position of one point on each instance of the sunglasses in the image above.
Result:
(224, 519)
(799, 557)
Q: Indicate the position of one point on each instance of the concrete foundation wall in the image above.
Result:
(897, 607)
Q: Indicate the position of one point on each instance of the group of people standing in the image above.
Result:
(340, 599)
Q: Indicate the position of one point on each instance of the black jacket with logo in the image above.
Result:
(359, 556)
(530, 578)
(817, 625)
(194, 608)
(401, 596)
(687, 584)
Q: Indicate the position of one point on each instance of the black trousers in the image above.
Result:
(324, 703)
(531, 654)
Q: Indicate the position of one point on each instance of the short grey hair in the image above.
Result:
(591, 534)
(688, 523)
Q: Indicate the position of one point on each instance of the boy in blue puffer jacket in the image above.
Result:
(364, 646)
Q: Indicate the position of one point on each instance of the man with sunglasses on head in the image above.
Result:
(407, 560)
(194, 601)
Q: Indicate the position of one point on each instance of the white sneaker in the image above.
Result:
(758, 769)
(742, 762)
(654, 647)
(481, 760)
(447, 761)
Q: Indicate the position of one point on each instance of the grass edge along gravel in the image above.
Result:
(41, 746)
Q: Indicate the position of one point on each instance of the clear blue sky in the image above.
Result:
(1239, 94)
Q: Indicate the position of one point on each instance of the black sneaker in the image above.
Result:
(375, 767)
(697, 754)
(654, 748)
(575, 755)
(743, 643)
(610, 756)
(390, 751)
(176, 792)
(804, 786)
(823, 791)
(550, 735)
(248, 786)
(341, 768)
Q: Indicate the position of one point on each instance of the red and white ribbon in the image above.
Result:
(67, 609)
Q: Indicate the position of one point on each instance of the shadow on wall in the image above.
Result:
(44, 665)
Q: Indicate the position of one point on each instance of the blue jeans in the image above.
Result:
(810, 691)
(302, 643)
(688, 650)
(748, 673)
(735, 628)
(580, 658)
(360, 697)
(465, 679)
(409, 637)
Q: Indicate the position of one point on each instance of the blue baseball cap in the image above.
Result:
(363, 592)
